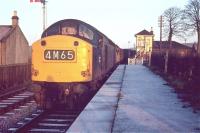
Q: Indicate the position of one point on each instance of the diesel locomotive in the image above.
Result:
(69, 61)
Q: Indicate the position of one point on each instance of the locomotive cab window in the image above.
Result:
(85, 32)
(54, 30)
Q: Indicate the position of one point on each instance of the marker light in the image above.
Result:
(76, 43)
(43, 43)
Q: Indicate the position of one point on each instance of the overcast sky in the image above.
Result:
(120, 20)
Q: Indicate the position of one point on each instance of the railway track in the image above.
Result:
(10, 93)
(46, 122)
(14, 100)
(14, 105)
(50, 121)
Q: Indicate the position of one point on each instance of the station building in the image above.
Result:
(14, 48)
(144, 41)
(144, 45)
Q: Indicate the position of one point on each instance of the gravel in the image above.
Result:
(9, 119)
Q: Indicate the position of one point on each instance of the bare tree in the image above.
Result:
(192, 19)
(172, 27)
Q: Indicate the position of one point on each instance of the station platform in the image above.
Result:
(134, 99)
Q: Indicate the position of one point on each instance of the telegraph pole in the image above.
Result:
(160, 22)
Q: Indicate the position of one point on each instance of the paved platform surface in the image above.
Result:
(136, 101)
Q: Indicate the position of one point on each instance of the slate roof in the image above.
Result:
(156, 45)
(144, 32)
(192, 45)
(5, 31)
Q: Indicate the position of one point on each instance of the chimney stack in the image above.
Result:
(151, 30)
(15, 19)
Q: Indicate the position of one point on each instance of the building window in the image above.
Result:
(140, 43)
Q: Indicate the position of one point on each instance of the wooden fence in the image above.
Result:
(14, 75)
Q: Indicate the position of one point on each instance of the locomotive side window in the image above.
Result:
(85, 32)
(69, 29)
